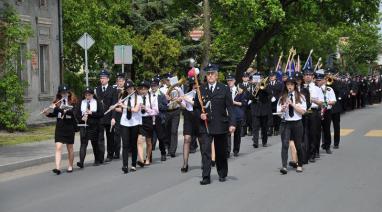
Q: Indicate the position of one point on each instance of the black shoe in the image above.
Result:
(255, 146)
(213, 163)
(173, 155)
(293, 164)
(265, 145)
(318, 155)
(96, 163)
(116, 157)
(140, 164)
(312, 160)
(192, 151)
(249, 133)
(125, 169)
(56, 171)
(108, 160)
(336, 147)
(284, 170)
(235, 154)
(163, 158)
(222, 179)
(328, 151)
(228, 155)
(81, 165)
(184, 169)
(205, 181)
(276, 133)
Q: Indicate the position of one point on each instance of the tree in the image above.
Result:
(250, 25)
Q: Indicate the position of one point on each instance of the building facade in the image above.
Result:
(41, 70)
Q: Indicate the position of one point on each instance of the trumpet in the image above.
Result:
(260, 86)
(115, 105)
(330, 79)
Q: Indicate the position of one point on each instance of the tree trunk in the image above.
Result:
(257, 42)
(207, 35)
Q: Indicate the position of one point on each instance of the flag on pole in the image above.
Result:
(308, 63)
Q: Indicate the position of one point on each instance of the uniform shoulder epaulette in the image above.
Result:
(328, 88)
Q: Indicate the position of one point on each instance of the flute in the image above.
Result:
(115, 105)
(47, 108)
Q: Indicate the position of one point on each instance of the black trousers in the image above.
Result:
(160, 135)
(289, 128)
(87, 134)
(260, 122)
(220, 143)
(172, 124)
(325, 124)
(110, 141)
(247, 122)
(276, 123)
(313, 121)
(305, 141)
(117, 138)
(336, 119)
(129, 144)
(236, 140)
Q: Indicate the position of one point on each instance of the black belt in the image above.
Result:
(315, 109)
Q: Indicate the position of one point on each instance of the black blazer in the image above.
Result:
(220, 111)
(261, 104)
(275, 91)
(107, 99)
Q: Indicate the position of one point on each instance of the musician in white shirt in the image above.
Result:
(292, 105)
(131, 121)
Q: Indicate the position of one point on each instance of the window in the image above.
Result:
(44, 68)
(43, 3)
(18, 2)
(21, 65)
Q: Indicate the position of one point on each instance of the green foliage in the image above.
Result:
(13, 33)
(306, 25)
(119, 22)
(160, 54)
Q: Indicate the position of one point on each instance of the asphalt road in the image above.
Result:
(348, 180)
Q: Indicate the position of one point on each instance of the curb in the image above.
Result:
(34, 162)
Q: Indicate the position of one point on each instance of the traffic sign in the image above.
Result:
(123, 54)
(86, 41)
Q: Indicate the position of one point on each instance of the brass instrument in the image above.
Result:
(330, 79)
(174, 93)
(263, 84)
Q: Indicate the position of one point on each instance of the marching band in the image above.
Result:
(298, 106)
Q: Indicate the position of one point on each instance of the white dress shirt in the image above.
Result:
(329, 95)
(136, 117)
(213, 86)
(151, 107)
(296, 115)
(315, 93)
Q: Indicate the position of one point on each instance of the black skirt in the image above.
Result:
(190, 123)
(147, 127)
(65, 131)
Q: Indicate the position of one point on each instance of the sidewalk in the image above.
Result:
(20, 156)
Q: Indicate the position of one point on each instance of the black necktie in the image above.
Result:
(211, 88)
(144, 103)
(291, 110)
(128, 111)
(103, 89)
(64, 101)
(88, 105)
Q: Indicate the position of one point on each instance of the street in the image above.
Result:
(348, 180)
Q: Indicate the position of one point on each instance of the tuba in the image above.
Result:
(173, 93)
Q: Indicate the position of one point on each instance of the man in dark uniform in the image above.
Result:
(313, 117)
(261, 108)
(353, 86)
(218, 104)
(246, 125)
(275, 88)
(116, 117)
(304, 91)
(337, 109)
(107, 95)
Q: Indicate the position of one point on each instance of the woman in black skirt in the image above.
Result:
(190, 126)
(90, 112)
(64, 107)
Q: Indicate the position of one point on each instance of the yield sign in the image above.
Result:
(86, 41)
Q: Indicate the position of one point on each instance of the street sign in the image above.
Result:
(86, 41)
(123, 54)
